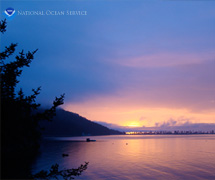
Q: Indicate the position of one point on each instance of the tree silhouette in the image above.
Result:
(66, 174)
(20, 117)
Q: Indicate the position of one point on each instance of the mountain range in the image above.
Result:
(67, 123)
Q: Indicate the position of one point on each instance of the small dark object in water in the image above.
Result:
(89, 140)
(64, 155)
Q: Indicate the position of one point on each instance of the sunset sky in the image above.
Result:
(128, 63)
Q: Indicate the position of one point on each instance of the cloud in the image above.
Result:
(181, 121)
(188, 127)
(164, 59)
(183, 86)
(170, 125)
(171, 122)
(111, 125)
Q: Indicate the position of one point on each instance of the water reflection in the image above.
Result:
(134, 157)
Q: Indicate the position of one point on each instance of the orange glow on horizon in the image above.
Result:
(123, 111)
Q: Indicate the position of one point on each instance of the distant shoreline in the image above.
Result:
(169, 133)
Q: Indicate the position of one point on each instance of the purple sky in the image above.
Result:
(129, 63)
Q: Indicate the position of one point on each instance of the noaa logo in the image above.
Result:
(9, 12)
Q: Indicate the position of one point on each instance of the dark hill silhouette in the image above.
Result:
(71, 124)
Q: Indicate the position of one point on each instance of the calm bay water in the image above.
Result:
(131, 157)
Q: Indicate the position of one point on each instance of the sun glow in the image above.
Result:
(133, 124)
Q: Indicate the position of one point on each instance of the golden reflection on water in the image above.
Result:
(142, 157)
